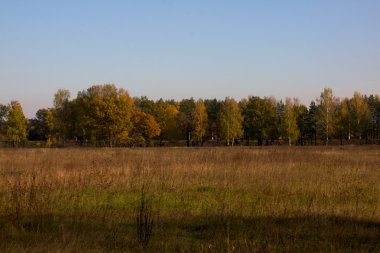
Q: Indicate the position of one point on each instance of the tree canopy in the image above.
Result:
(16, 123)
(104, 115)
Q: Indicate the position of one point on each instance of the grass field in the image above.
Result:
(275, 199)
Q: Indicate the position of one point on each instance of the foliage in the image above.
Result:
(16, 124)
(344, 121)
(167, 119)
(302, 116)
(260, 119)
(38, 127)
(3, 120)
(199, 120)
(327, 112)
(360, 114)
(230, 121)
(185, 118)
(213, 107)
(104, 115)
(145, 127)
(290, 127)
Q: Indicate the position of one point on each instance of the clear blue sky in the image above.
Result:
(178, 49)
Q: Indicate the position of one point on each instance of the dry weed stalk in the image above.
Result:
(144, 219)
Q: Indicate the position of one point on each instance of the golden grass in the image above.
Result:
(275, 199)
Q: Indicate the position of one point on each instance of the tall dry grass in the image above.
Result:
(275, 199)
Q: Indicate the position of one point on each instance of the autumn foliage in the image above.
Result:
(104, 115)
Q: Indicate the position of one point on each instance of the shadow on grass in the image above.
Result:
(296, 234)
(193, 234)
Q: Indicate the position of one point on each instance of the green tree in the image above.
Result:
(146, 105)
(312, 122)
(199, 120)
(213, 109)
(230, 121)
(16, 124)
(377, 117)
(260, 119)
(374, 107)
(185, 118)
(327, 112)
(61, 114)
(290, 122)
(38, 128)
(301, 112)
(3, 115)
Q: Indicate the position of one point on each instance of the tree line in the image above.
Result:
(104, 115)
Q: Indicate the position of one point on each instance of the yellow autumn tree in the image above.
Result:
(360, 114)
(231, 121)
(105, 114)
(16, 123)
(167, 119)
(290, 122)
(145, 127)
(199, 120)
(344, 119)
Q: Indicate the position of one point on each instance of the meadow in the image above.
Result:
(240, 199)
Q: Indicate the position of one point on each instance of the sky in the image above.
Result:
(195, 48)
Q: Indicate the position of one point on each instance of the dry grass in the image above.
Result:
(276, 199)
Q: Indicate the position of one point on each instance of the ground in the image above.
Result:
(237, 199)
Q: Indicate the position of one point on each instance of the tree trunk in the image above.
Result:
(188, 139)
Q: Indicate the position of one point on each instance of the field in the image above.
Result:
(272, 199)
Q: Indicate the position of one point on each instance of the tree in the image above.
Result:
(16, 124)
(3, 115)
(61, 115)
(38, 128)
(290, 122)
(146, 105)
(185, 118)
(260, 119)
(144, 128)
(374, 107)
(360, 114)
(199, 120)
(106, 114)
(326, 113)
(344, 119)
(312, 122)
(301, 113)
(167, 115)
(230, 121)
(213, 109)
(61, 98)
(377, 117)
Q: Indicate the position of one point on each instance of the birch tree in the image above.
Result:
(326, 112)
(230, 121)
(290, 122)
